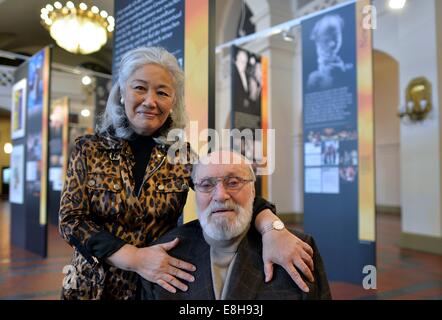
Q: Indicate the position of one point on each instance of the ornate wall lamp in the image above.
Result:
(418, 100)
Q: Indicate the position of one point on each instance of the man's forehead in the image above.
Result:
(221, 169)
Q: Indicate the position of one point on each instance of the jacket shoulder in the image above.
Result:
(189, 230)
(97, 140)
(301, 235)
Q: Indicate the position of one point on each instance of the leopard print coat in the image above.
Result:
(99, 195)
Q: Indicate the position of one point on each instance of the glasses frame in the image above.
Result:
(224, 181)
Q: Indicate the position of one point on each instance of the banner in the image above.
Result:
(58, 154)
(149, 23)
(332, 64)
(183, 28)
(29, 218)
(246, 86)
(246, 101)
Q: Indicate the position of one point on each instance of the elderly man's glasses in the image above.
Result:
(207, 185)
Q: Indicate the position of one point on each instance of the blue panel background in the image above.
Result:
(175, 44)
(332, 219)
(26, 231)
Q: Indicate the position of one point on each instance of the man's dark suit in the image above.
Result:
(247, 276)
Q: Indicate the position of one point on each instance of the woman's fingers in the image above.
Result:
(180, 264)
(169, 245)
(166, 286)
(172, 281)
(307, 248)
(296, 277)
(308, 260)
(159, 267)
(304, 269)
(181, 274)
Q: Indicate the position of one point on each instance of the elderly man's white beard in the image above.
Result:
(220, 227)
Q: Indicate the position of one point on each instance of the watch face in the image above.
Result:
(278, 225)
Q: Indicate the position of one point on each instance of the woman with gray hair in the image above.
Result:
(122, 191)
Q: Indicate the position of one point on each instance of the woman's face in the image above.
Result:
(148, 99)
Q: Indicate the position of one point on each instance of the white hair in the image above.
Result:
(114, 117)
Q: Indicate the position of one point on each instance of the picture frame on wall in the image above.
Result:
(17, 183)
(18, 109)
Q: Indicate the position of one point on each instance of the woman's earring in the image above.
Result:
(122, 101)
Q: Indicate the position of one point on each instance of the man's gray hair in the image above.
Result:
(114, 116)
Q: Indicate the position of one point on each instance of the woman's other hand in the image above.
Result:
(155, 265)
(285, 249)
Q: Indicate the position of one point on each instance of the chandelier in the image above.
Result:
(80, 30)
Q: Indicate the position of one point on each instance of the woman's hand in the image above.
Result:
(155, 265)
(287, 250)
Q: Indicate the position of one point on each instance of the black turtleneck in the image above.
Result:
(141, 148)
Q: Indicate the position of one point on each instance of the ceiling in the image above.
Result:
(21, 31)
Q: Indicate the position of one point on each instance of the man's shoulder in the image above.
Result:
(301, 235)
(189, 230)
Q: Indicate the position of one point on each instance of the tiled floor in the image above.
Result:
(402, 274)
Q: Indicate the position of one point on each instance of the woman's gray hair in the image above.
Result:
(114, 116)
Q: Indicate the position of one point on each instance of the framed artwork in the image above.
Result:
(17, 183)
(18, 110)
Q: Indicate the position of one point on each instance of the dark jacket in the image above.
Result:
(247, 276)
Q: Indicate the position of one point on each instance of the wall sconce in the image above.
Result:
(418, 100)
(289, 33)
(288, 36)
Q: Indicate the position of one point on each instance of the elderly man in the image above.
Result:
(227, 253)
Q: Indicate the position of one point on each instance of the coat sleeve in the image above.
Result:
(76, 225)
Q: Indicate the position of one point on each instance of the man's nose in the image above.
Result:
(220, 193)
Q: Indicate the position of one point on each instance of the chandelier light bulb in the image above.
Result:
(7, 148)
(397, 4)
(79, 29)
(85, 113)
(86, 80)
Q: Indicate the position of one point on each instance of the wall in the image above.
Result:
(411, 40)
(386, 100)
